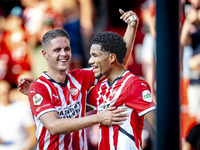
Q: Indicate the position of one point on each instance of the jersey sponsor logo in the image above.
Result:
(45, 105)
(70, 111)
(103, 106)
(74, 91)
(146, 95)
(37, 99)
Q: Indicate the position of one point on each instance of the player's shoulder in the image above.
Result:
(137, 80)
(78, 72)
(41, 81)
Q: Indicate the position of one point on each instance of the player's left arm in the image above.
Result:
(140, 99)
(151, 118)
(129, 36)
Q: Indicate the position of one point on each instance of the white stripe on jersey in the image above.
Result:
(75, 82)
(45, 111)
(81, 139)
(61, 141)
(119, 90)
(100, 136)
(47, 140)
(46, 76)
(60, 92)
(70, 144)
(127, 142)
(147, 110)
(111, 134)
(47, 86)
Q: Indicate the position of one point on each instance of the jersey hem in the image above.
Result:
(45, 111)
(146, 111)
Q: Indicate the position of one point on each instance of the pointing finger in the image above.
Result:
(121, 11)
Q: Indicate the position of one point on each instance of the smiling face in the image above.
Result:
(99, 60)
(58, 55)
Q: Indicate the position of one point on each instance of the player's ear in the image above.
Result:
(112, 57)
(44, 54)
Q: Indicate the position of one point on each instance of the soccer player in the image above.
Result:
(58, 98)
(121, 89)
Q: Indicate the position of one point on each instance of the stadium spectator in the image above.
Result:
(17, 129)
(13, 40)
(190, 36)
(193, 139)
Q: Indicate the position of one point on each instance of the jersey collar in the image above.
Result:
(118, 78)
(59, 83)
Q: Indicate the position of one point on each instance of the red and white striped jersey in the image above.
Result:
(128, 91)
(68, 100)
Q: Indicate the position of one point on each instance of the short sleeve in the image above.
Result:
(139, 97)
(40, 100)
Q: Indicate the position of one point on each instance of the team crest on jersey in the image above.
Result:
(146, 95)
(37, 99)
(74, 91)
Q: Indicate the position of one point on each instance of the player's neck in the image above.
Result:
(114, 73)
(57, 76)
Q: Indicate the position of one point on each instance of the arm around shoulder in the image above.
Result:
(56, 126)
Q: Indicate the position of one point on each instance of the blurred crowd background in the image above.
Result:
(24, 22)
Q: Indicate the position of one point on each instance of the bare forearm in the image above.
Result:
(129, 38)
(108, 116)
(64, 126)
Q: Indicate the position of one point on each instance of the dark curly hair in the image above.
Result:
(111, 42)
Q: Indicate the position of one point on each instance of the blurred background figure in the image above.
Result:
(190, 60)
(14, 41)
(190, 41)
(17, 129)
(192, 141)
(33, 14)
(6, 62)
(148, 49)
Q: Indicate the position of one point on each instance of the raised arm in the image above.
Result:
(109, 116)
(129, 36)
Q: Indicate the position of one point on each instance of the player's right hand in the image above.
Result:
(112, 116)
